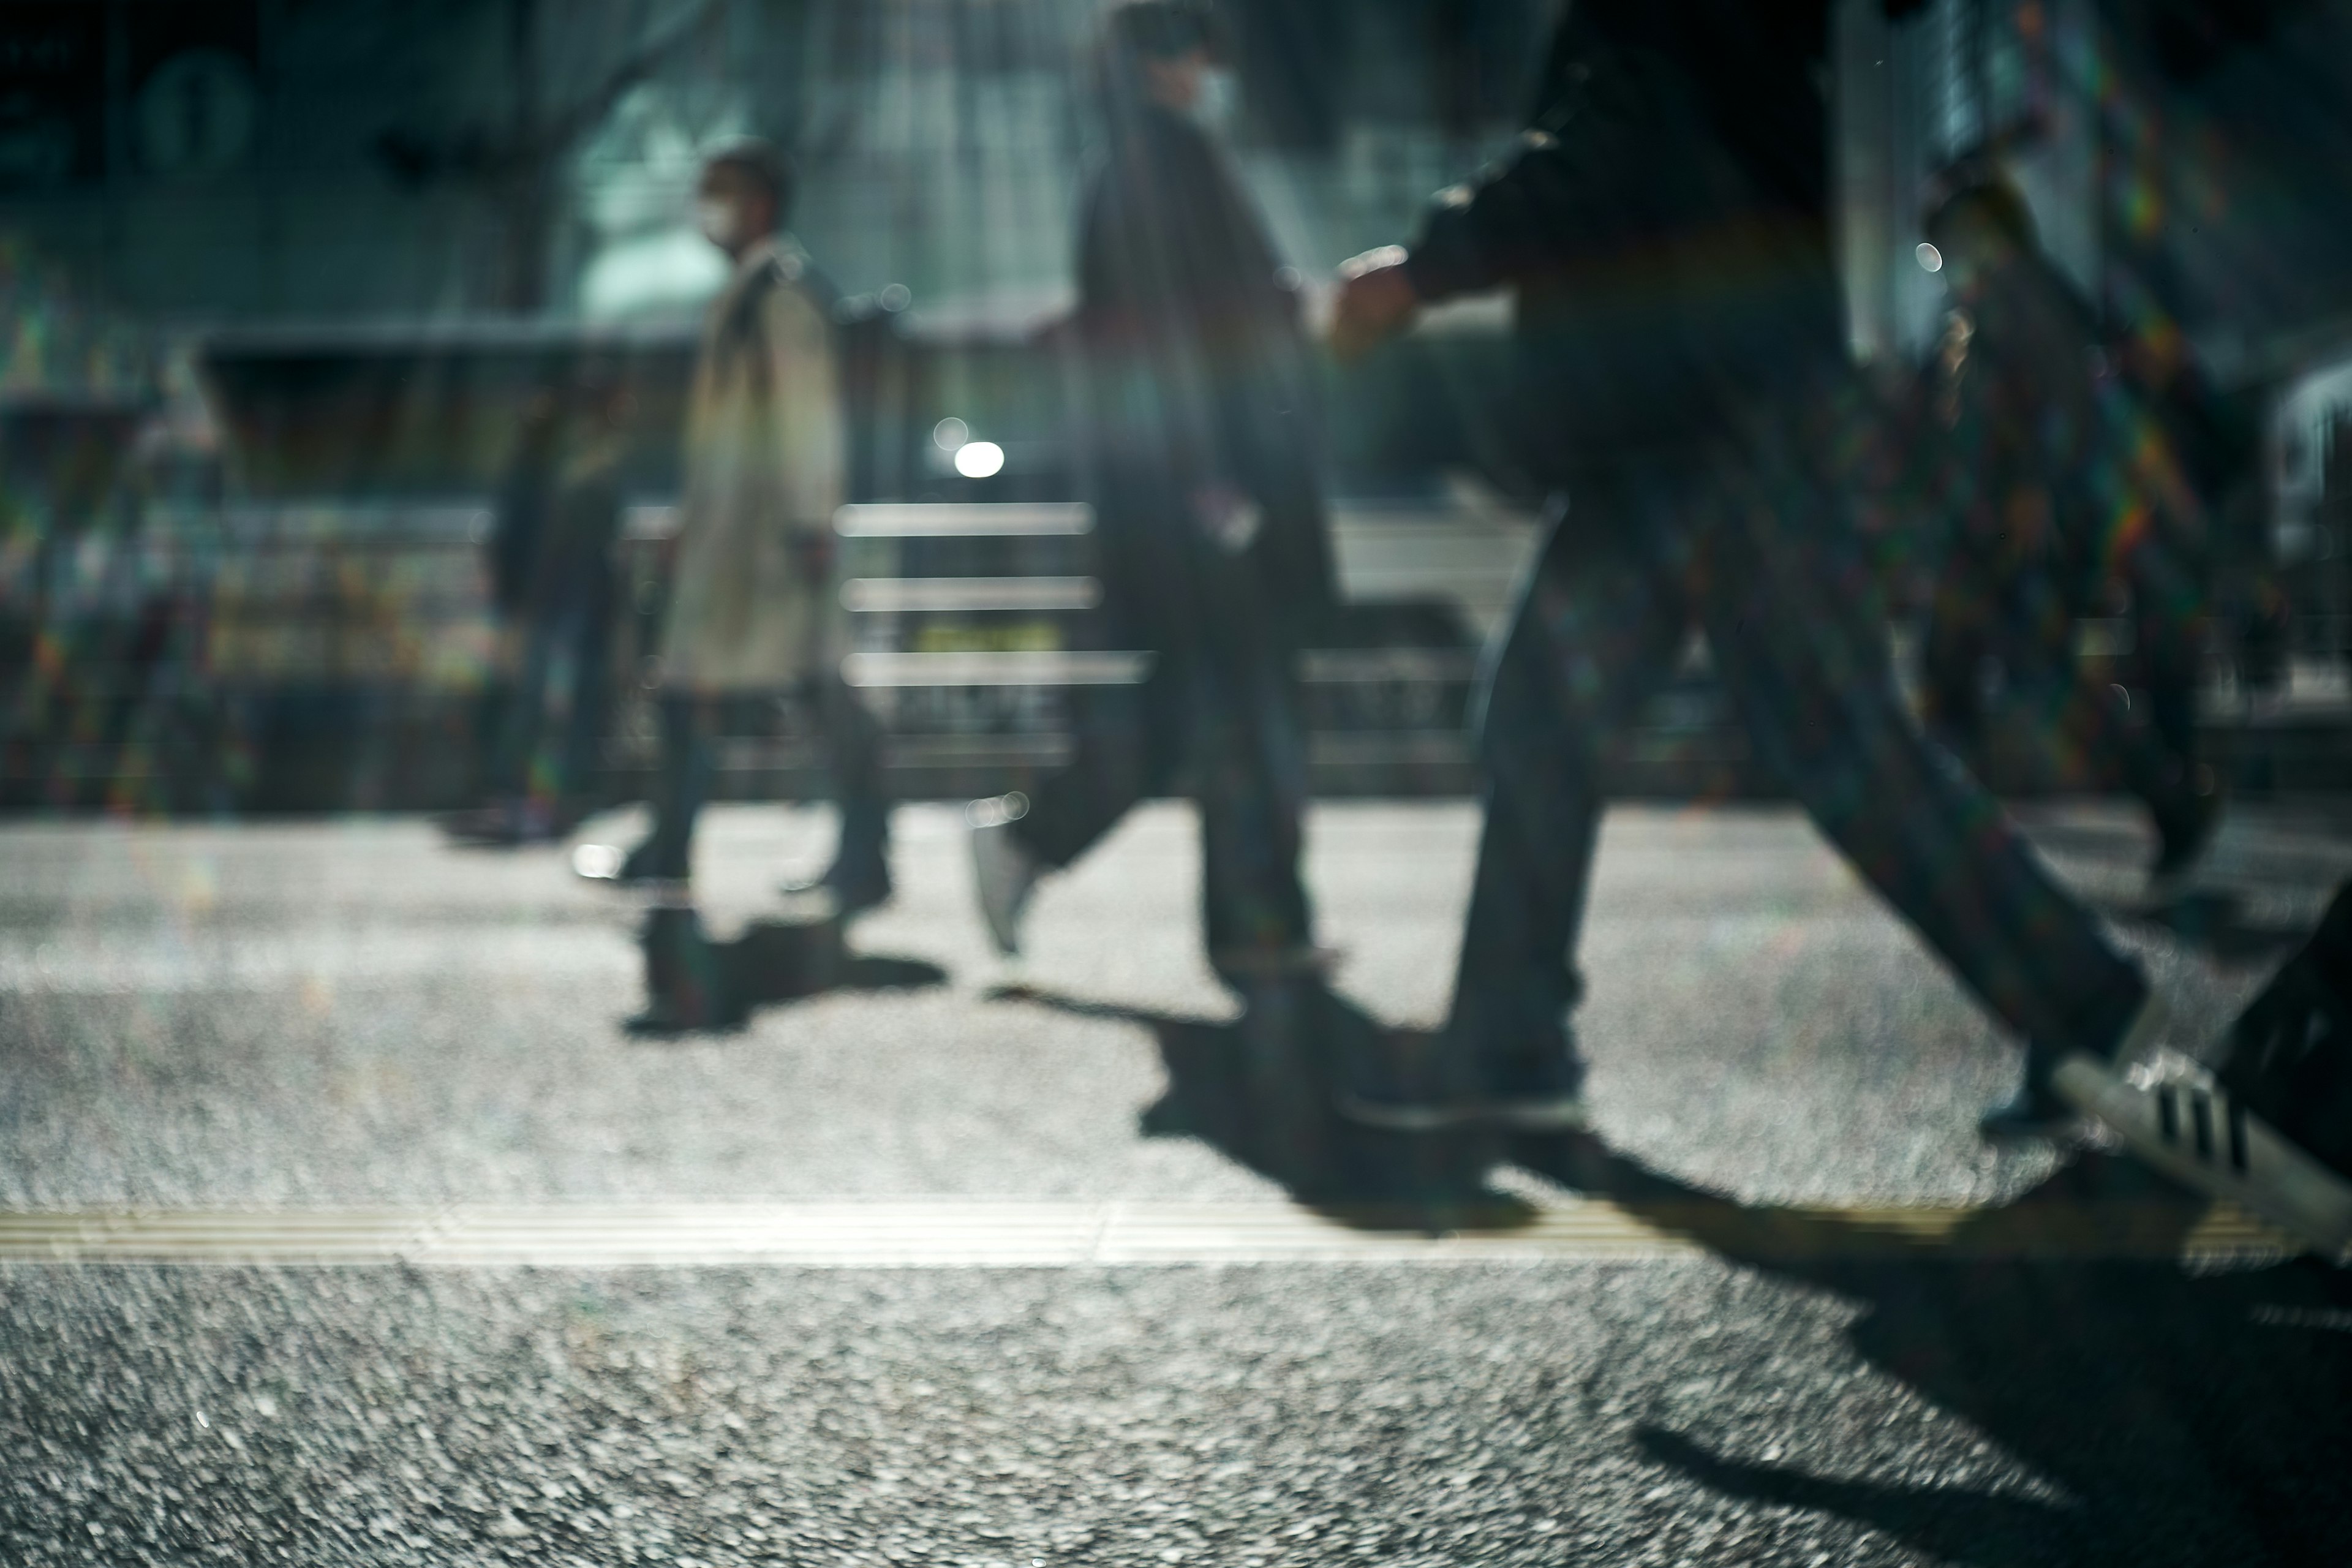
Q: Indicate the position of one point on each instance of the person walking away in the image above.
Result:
(2057, 480)
(750, 608)
(1211, 521)
(545, 753)
(1666, 222)
(518, 518)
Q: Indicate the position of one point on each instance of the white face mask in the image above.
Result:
(1219, 99)
(718, 221)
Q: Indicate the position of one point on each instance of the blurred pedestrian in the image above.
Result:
(1211, 516)
(1666, 223)
(2058, 486)
(544, 756)
(751, 611)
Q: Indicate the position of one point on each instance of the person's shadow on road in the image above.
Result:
(1260, 1089)
(696, 985)
(2185, 1418)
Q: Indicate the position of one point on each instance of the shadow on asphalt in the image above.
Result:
(2215, 923)
(2184, 1417)
(696, 985)
(1259, 1090)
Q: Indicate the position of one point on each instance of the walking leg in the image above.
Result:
(1782, 589)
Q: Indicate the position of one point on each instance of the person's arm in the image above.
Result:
(1567, 190)
(805, 405)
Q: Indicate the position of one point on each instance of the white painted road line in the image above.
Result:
(955, 1233)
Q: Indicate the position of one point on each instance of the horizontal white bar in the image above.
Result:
(952, 519)
(887, 593)
(1009, 668)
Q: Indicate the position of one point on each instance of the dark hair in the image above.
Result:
(1135, 31)
(763, 162)
(1159, 29)
(1982, 188)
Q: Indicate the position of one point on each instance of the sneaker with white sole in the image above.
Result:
(2270, 1126)
(2177, 1117)
(1004, 871)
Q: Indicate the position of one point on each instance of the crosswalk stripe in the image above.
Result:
(965, 1232)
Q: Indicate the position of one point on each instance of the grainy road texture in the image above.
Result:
(349, 1014)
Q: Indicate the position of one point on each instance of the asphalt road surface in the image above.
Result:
(1707, 1335)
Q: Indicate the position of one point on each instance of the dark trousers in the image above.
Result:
(2027, 621)
(1748, 540)
(1219, 700)
(559, 695)
(853, 744)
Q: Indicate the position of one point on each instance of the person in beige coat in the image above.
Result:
(751, 610)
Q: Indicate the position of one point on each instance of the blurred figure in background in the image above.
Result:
(2056, 484)
(1666, 223)
(751, 610)
(562, 602)
(1211, 520)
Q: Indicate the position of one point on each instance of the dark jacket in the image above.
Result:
(1198, 369)
(1664, 222)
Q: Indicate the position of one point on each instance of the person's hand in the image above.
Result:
(1376, 302)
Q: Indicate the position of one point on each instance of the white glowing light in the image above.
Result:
(978, 459)
(668, 273)
(1929, 257)
(949, 434)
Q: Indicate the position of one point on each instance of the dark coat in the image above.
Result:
(1665, 223)
(1199, 372)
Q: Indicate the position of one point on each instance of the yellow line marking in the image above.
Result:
(959, 1233)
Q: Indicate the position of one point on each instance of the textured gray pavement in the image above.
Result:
(349, 1013)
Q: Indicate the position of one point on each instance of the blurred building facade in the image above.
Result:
(296, 263)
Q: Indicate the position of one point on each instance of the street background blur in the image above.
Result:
(280, 276)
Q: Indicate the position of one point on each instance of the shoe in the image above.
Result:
(1004, 871)
(1415, 1083)
(1526, 1074)
(2272, 1131)
(687, 984)
(838, 896)
(2037, 1111)
(1535, 1091)
(1405, 1081)
(645, 866)
(2184, 836)
(2174, 1114)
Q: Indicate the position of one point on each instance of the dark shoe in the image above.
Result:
(839, 895)
(2183, 835)
(1524, 1073)
(686, 983)
(1404, 1081)
(1417, 1083)
(1535, 1091)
